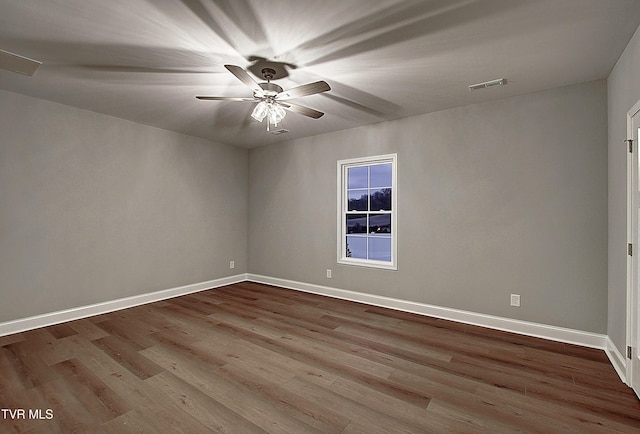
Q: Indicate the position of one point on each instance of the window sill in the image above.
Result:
(383, 265)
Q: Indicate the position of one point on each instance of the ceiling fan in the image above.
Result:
(272, 99)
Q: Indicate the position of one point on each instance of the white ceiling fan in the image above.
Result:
(271, 98)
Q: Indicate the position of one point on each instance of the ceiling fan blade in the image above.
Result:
(20, 64)
(304, 90)
(244, 77)
(223, 98)
(306, 111)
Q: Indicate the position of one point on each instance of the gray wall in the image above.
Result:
(94, 208)
(623, 94)
(508, 196)
(496, 198)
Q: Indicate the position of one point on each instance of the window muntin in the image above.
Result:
(367, 211)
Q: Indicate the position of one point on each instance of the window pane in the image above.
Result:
(358, 177)
(381, 175)
(356, 247)
(380, 224)
(356, 223)
(381, 200)
(358, 200)
(380, 248)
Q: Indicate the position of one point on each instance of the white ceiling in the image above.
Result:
(385, 59)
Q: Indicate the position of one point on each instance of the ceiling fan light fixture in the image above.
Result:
(270, 110)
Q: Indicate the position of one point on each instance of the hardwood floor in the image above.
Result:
(254, 358)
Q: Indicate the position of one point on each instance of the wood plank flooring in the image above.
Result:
(251, 358)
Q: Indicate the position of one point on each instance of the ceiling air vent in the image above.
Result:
(278, 132)
(486, 84)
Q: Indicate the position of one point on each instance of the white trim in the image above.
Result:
(560, 334)
(343, 165)
(631, 278)
(629, 240)
(617, 359)
(48, 319)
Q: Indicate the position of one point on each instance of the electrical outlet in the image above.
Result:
(328, 274)
(232, 264)
(515, 300)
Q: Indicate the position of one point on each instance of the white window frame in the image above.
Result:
(343, 166)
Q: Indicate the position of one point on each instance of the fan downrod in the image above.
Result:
(271, 89)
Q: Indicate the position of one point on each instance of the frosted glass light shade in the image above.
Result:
(276, 114)
(260, 111)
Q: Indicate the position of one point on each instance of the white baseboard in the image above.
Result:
(560, 334)
(47, 319)
(618, 361)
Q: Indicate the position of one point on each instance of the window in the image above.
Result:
(367, 212)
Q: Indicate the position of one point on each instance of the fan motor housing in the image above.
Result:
(270, 88)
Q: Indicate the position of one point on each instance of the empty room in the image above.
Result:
(356, 216)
